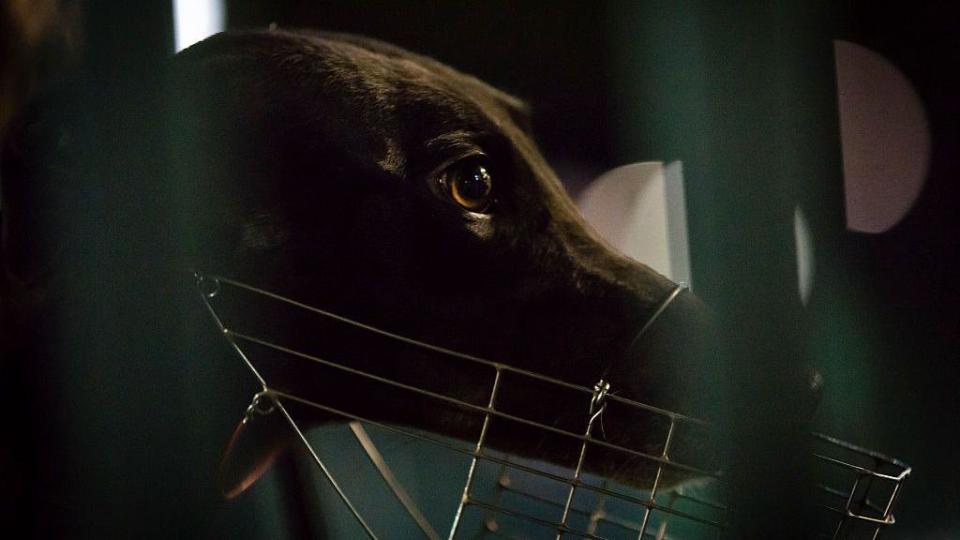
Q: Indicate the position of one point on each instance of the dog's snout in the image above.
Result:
(661, 336)
(671, 362)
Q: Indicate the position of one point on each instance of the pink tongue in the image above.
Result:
(255, 443)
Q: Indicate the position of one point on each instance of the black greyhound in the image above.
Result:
(351, 175)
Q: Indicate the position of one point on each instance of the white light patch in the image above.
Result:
(885, 139)
(194, 20)
(804, 247)
(640, 209)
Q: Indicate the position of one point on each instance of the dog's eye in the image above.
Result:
(469, 184)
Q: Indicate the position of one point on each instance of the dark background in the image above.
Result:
(744, 95)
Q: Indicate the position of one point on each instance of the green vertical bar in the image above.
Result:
(743, 94)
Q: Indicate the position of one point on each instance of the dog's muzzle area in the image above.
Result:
(398, 383)
(463, 239)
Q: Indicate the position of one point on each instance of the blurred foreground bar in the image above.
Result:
(744, 95)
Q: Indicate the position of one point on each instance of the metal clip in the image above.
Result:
(263, 403)
(208, 287)
(598, 401)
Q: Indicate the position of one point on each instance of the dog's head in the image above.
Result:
(356, 176)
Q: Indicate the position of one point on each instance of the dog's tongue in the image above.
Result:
(255, 443)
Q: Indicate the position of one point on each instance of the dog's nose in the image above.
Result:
(677, 362)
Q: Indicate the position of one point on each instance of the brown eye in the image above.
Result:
(469, 184)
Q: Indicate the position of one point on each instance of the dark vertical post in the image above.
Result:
(124, 37)
(743, 94)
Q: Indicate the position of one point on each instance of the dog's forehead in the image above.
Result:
(419, 78)
(371, 98)
(430, 105)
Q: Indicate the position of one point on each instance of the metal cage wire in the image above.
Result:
(857, 487)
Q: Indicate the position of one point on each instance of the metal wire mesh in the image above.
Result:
(517, 497)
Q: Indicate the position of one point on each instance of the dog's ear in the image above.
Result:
(519, 112)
